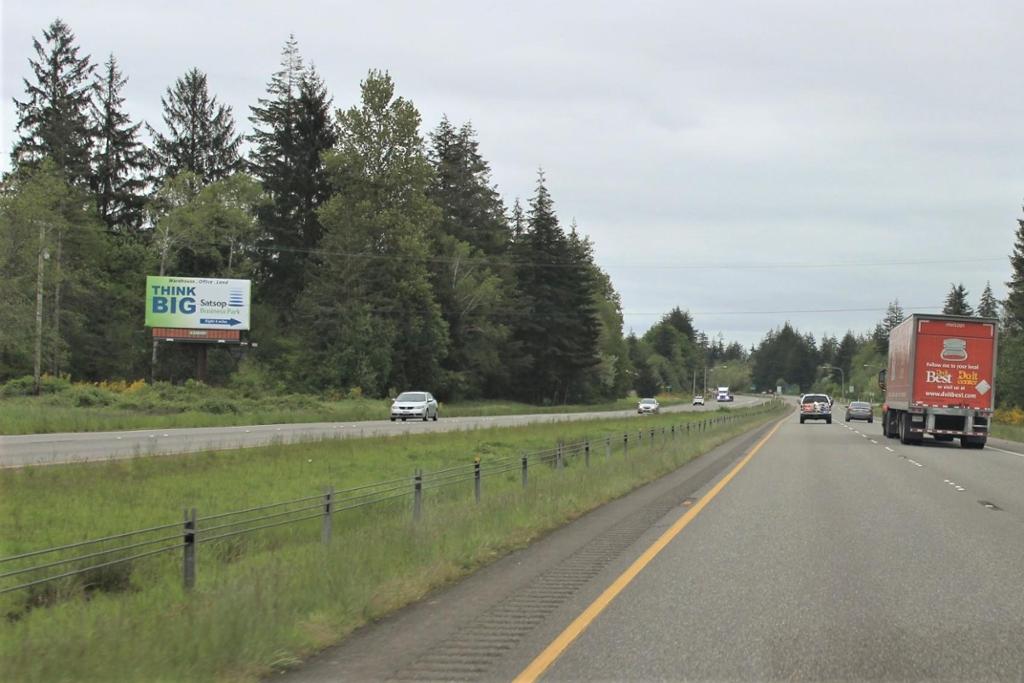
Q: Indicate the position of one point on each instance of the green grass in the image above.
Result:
(91, 409)
(1008, 432)
(264, 601)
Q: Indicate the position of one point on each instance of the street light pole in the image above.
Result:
(842, 376)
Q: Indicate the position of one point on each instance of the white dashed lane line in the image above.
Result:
(889, 449)
(993, 448)
(874, 442)
(955, 485)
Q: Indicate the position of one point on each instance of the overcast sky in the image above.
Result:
(748, 161)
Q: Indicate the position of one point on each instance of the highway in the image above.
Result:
(62, 448)
(812, 552)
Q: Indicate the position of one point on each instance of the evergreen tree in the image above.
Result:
(585, 324)
(201, 136)
(369, 312)
(54, 119)
(48, 226)
(293, 127)
(517, 220)
(559, 328)
(1013, 307)
(847, 349)
(471, 208)
(988, 306)
(956, 301)
(120, 160)
(893, 317)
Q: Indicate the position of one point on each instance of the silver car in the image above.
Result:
(415, 404)
(649, 406)
(860, 410)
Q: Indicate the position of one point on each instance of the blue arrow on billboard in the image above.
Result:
(219, 321)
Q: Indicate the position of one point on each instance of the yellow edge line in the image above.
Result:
(560, 644)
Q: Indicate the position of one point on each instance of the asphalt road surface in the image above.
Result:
(47, 449)
(833, 553)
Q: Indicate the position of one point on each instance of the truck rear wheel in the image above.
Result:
(889, 426)
(973, 441)
(906, 436)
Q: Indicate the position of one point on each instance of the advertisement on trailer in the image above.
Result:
(954, 364)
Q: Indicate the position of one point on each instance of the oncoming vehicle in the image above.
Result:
(815, 407)
(648, 406)
(723, 395)
(417, 404)
(860, 410)
(698, 400)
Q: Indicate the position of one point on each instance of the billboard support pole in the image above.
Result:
(201, 362)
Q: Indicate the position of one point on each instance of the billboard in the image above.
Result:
(197, 303)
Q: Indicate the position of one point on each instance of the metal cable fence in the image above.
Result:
(83, 563)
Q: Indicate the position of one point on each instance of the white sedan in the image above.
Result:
(415, 404)
(648, 406)
(698, 400)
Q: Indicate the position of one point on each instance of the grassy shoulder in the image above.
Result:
(264, 601)
(1010, 432)
(110, 406)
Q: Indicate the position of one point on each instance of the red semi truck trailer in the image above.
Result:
(940, 380)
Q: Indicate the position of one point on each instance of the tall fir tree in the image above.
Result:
(471, 209)
(201, 137)
(988, 305)
(293, 127)
(893, 316)
(956, 301)
(517, 220)
(847, 349)
(1013, 307)
(120, 160)
(369, 312)
(53, 121)
(584, 290)
(554, 280)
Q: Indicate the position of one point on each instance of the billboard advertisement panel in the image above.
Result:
(197, 303)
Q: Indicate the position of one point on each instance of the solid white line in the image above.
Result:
(993, 448)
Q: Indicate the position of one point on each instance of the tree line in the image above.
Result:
(382, 257)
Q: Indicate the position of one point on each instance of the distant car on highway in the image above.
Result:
(860, 410)
(815, 407)
(416, 404)
(698, 400)
(648, 406)
(724, 395)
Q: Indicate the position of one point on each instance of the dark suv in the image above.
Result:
(815, 407)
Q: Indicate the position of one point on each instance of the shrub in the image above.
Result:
(1010, 416)
(217, 406)
(23, 386)
(86, 395)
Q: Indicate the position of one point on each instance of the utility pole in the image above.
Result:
(40, 266)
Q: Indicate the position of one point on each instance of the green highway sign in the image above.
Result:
(198, 303)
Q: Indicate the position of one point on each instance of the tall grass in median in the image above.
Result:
(264, 601)
(110, 407)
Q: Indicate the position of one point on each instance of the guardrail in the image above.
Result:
(65, 562)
